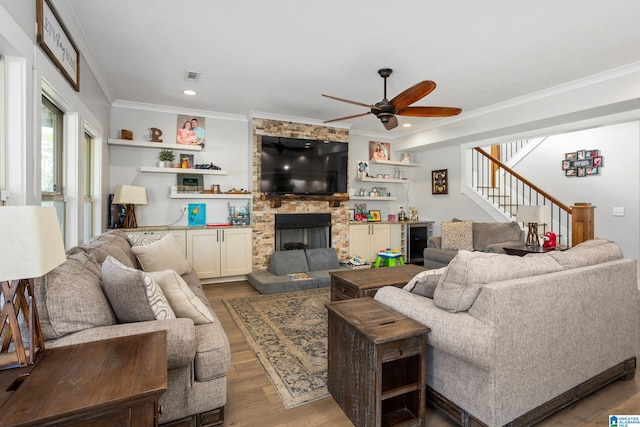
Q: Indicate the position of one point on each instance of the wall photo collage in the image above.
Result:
(582, 163)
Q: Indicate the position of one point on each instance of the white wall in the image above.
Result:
(617, 185)
(227, 146)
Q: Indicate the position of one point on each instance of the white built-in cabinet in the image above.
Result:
(365, 240)
(214, 252)
(219, 252)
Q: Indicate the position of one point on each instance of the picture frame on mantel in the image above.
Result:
(54, 39)
(439, 182)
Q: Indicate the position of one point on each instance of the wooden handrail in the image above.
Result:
(526, 181)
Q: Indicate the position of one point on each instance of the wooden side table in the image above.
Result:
(346, 284)
(377, 363)
(103, 383)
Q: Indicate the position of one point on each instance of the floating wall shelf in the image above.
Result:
(190, 171)
(157, 145)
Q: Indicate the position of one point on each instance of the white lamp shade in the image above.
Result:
(130, 195)
(532, 215)
(30, 242)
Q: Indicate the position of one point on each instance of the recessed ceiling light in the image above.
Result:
(406, 125)
(189, 92)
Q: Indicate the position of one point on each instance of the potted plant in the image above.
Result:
(165, 158)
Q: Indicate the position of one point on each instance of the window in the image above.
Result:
(52, 162)
(88, 205)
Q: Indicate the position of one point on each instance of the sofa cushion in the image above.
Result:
(118, 238)
(101, 249)
(166, 253)
(285, 262)
(487, 233)
(322, 259)
(457, 235)
(425, 282)
(589, 252)
(461, 282)
(69, 298)
(181, 298)
(133, 294)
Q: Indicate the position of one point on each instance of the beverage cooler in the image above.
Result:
(418, 236)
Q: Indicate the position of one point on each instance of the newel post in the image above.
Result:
(582, 222)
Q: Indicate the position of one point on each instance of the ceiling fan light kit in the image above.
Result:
(386, 111)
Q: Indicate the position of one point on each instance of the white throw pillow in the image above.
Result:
(457, 235)
(136, 239)
(164, 254)
(182, 300)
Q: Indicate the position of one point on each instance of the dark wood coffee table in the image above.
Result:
(103, 383)
(347, 284)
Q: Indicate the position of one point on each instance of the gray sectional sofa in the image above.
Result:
(316, 263)
(484, 237)
(100, 293)
(514, 339)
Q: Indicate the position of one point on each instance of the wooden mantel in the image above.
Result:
(275, 200)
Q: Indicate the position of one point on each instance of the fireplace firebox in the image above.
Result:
(302, 231)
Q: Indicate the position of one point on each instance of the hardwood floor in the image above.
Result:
(252, 400)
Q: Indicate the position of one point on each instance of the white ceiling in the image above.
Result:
(279, 56)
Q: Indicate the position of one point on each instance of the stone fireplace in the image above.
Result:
(264, 216)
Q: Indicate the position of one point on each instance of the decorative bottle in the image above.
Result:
(401, 215)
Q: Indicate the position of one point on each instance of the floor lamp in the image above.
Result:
(532, 216)
(130, 196)
(31, 246)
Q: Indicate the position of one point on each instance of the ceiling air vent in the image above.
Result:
(191, 76)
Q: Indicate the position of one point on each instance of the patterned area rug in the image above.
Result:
(288, 333)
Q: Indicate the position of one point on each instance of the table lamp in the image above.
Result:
(532, 216)
(31, 246)
(130, 196)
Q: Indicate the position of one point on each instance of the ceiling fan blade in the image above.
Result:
(413, 94)
(429, 111)
(391, 124)
(351, 102)
(347, 118)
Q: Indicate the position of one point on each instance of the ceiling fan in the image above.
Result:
(387, 110)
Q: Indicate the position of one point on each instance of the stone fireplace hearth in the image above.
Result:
(264, 230)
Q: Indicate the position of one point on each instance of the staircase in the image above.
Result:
(505, 189)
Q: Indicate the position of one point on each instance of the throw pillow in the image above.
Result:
(457, 235)
(164, 254)
(69, 298)
(133, 294)
(183, 301)
(136, 239)
(424, 283)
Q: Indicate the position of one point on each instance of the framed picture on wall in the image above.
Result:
(439, 182)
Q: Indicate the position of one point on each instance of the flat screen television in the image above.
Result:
(303, 166)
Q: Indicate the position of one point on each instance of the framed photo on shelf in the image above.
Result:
(439, 182)
(188, 183)
(363, 169)
(191, 130)
(379, 150)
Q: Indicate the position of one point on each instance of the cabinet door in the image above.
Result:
(181, 235)
(203, 252)
(360, 241)
(235, 251)
(379, 239)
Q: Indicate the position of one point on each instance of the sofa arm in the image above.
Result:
(434, 242)
(181, 337)
(497, 248)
